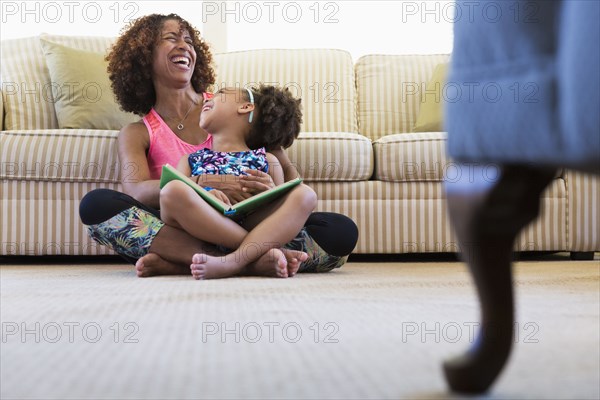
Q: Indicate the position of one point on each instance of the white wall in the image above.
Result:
(361, 27)
(91, 18)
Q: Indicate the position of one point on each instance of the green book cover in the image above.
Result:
(237, 210)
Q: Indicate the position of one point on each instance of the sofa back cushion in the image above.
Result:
(390, 90)
(322, 78)
(26, 86)
(89, 102)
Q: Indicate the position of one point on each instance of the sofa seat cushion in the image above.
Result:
(412, 157)
(83, 155)
(331, 156)
(57, 155)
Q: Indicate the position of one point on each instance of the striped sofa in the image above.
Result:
(357, 150)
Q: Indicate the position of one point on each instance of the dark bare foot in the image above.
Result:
(273, 262)
(153, 265)
(214, 267)
(294, 259)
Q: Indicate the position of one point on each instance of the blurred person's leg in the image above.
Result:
(542, 59)
(487, 217)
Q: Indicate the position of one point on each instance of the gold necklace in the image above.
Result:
(180, 125)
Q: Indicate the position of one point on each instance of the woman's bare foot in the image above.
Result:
(294, 259)
(152, 265)
(273, 262)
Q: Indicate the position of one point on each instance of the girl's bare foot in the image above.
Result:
(214, 267)
(152, 265)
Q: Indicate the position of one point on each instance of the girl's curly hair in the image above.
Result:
(130, 62)
(277, 118)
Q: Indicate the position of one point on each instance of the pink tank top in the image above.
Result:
(165, 146)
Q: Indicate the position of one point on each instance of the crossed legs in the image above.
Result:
(263, 232)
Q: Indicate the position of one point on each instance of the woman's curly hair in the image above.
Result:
(130, 62)
(277, 118)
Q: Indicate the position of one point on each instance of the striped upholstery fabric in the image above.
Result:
(44, 175)
(412, 157)
(26, 85)
(389, 91)
(1, 110)
(77, 155)
(411, 217)
(332, 156)
(42, 217)
(391, 188)
(322, 78)
(583, 218)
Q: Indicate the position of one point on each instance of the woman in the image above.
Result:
(160, 69)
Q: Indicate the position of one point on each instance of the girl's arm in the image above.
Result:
(133, 142)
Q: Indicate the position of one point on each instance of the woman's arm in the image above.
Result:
(183, 166)
(133, 143)
(289, 169)
(257, 181)
(275, 170)
(229, 185)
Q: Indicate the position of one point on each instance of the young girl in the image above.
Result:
(241, 120)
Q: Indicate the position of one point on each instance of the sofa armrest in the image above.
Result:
(583, 216)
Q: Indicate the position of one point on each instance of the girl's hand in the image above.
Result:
(256, 181)
(221, 196)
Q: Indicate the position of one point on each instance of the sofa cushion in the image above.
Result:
(88, 102)
(431, 112)
(412, 157)
(84, 155)
(1, 110)
(389, 91)
(332, 156)
(26, 86)
(77, 155)
(322, 78)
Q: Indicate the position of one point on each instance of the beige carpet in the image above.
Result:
(369, 330)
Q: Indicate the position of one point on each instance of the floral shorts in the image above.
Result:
(129, 233)
(318, 259)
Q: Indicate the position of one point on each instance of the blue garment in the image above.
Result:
(530, 83)
(206, 161)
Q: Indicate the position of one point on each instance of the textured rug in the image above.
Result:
(368, 330)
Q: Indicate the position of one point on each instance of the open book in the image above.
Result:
(237, 210)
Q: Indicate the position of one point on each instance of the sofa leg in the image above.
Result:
(487, 225)
(582, 255)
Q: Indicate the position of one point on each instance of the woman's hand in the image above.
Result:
(221, 196)
(230, 185)
(256, 181)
